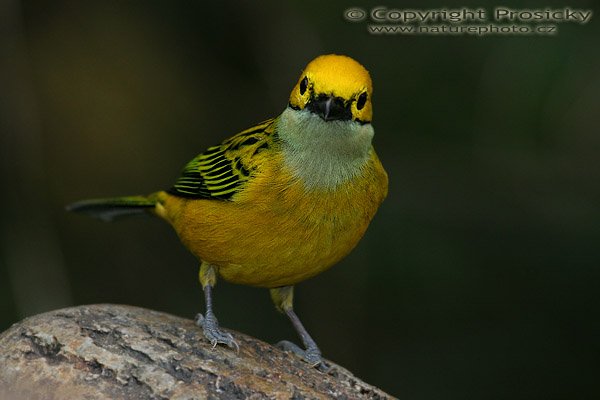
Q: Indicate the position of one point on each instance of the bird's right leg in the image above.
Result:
(208, 322)
(283, 298)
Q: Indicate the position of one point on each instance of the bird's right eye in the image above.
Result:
(303, 85)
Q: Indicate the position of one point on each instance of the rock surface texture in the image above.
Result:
(121, 352)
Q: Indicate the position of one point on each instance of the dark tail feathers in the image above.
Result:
(114, 208)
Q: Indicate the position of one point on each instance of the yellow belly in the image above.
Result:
(274, 233)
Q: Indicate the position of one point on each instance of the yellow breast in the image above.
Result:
(276, 232)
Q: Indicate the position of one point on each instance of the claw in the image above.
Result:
(312, 355)
(214, 334)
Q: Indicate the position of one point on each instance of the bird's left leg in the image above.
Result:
(283, 298)
(208, 322)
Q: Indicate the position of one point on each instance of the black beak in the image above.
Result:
(330, 108)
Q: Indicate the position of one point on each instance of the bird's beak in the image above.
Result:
(330, 108)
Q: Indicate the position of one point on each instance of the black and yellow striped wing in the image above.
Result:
(222, 171)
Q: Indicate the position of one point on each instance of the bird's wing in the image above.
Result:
(222, 171)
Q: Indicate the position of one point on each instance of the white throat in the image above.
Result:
(323, 154)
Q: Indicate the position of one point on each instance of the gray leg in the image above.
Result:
(209, 322)
(283, 298)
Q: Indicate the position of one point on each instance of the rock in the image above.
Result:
(121, 352)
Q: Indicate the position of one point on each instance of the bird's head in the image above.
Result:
(326, 130)
(336, 88)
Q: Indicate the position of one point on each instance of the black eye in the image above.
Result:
(362, 100)
(303, 85)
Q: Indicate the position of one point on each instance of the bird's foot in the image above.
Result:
(213, 332)
(310, 355)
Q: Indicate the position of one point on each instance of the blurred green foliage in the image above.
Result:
(477, 279)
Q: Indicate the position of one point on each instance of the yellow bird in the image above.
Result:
(279, 202)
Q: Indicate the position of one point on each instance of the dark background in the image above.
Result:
(477, 279)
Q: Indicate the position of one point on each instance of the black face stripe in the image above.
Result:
(330, 108)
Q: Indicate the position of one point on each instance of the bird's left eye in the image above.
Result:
(303, 85)
(362, 100)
